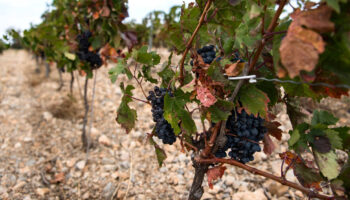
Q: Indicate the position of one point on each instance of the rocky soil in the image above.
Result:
(41, 155)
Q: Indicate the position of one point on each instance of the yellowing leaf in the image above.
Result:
(70, 56)
(327, 163)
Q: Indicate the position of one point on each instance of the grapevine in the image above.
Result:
(216, 40)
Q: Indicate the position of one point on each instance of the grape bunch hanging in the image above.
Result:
(163, 128)
(84, 54)
(243, 135)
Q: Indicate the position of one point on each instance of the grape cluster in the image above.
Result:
(163, 128)
(84, 54)
(245, 132)
(208, 54)
(237, 58)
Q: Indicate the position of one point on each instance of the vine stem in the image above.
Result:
(137, 99)
(91, 115)
(270, 29)
(309, 192)
(71, 83)
(86, 106)
(189, 43)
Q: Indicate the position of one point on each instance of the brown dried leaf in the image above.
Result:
(205, 96)
(316, 19)
(290, 158)
(215, 173)
(307, 36)
(234, 69)
(297, 55)
(273, 130)
(269, 145)
(105, 11)
(309, 5)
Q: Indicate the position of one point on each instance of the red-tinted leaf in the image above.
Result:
(273, 129)
(290, 158)
(330, 78)
(215, 173)
(205, 96)
(130, 38)
(269, 146)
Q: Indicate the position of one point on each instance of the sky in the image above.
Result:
(20, 13)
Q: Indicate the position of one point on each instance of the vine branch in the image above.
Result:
(309, 192)
(271, 27)
(189, 43)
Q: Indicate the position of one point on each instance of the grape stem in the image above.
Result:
(189, 43)
(283, 181)
(143, 101)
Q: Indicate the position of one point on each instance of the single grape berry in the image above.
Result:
(244, 134)
(163, 129)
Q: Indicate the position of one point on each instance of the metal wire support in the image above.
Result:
(253, 79)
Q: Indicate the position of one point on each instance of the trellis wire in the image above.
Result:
(300, 83)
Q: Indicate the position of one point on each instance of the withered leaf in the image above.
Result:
(215, 173)
(205, 96)
(297, 55)
(316, 19)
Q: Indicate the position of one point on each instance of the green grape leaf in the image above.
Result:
(166, 74)
(97, 42)
(327, 163)
(294, 137)
(254, 100)
(220, 110)
(344, 134)
(270, 89)
(116, 71)
(299, 90)
(142, 56)
(298, 139)
(323, 117)
(160, 153)
(307, 177)
(334, 4)
(345, 176)
(228, 45)
(174, 111)
(126, 116)
(146, 71)
(334, 139)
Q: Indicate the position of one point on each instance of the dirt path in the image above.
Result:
(41, 155)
